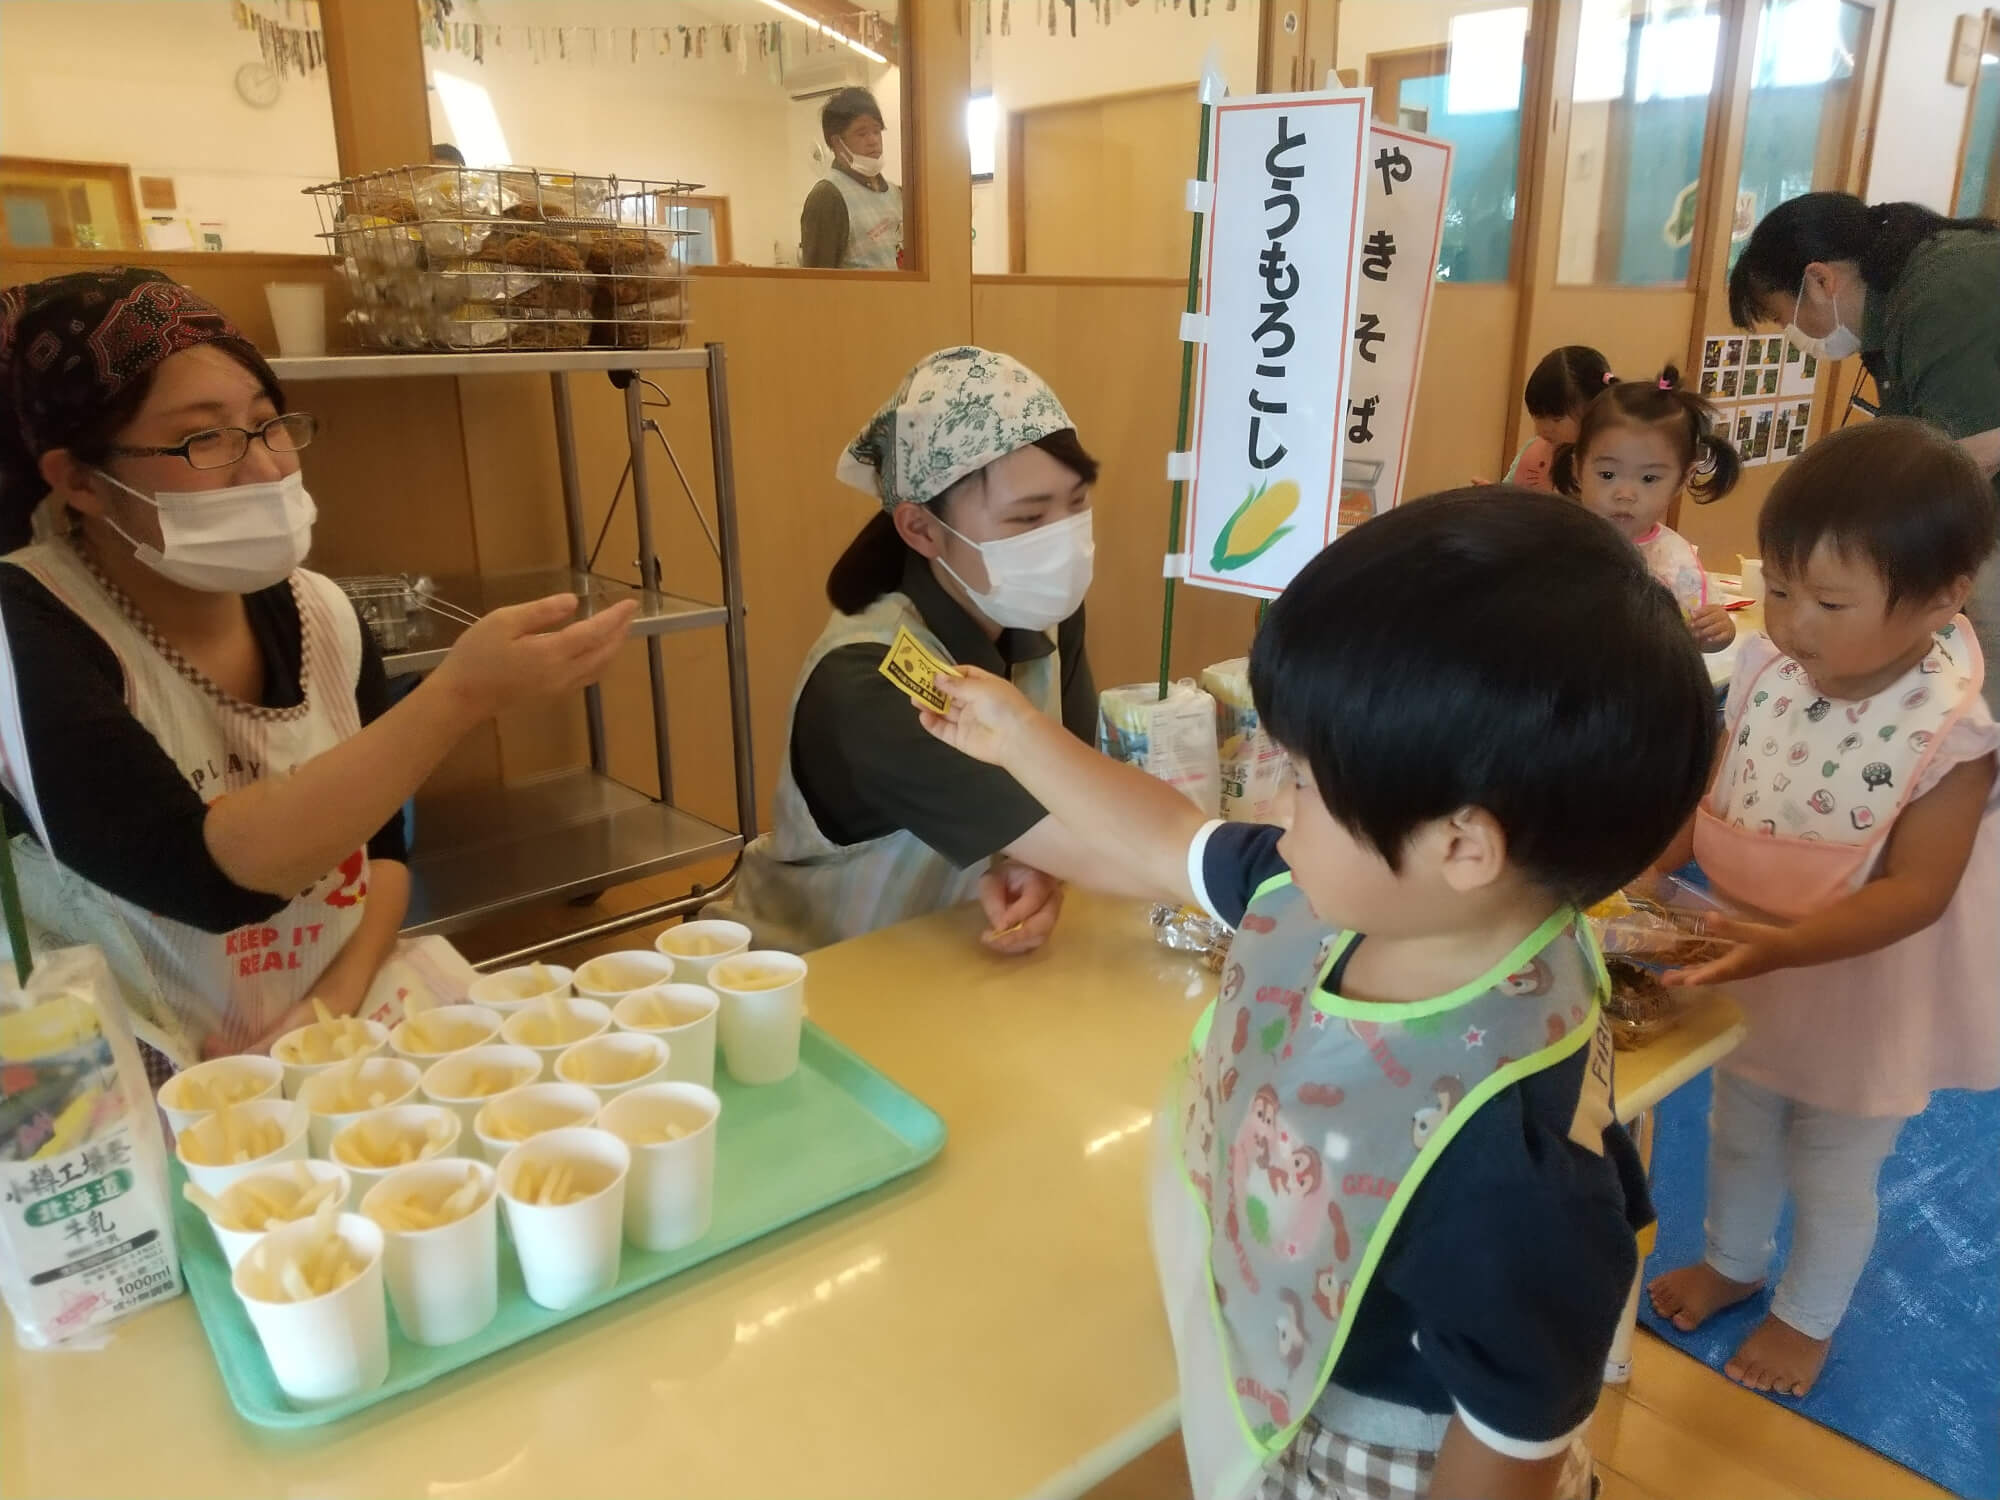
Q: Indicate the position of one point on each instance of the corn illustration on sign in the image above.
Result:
(1257, 526)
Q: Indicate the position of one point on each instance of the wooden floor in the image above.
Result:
(1679, 1431)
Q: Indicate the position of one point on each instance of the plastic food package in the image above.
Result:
(1661, 922)
(86, 1224)
(1252, 768)
(1186, 930)
(1172, 739)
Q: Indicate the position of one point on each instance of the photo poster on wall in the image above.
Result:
(1801, 428)
(1801, 372)
(1774, 378)
(1762, 420)
(1281, 264)
(1401, 232)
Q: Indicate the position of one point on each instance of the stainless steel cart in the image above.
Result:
(577, 832)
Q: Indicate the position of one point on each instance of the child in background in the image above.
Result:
(1565, 382)
(1854, 802)
(1639, 445)
(1396, 1119)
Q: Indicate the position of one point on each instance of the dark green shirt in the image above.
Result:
(1932, 341)
(867, 767)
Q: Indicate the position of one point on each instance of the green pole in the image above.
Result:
(17, 921)
(1187, 393)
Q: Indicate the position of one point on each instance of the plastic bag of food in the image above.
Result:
(86, 1224)
(1660, 922)
(1171, 738)
(1252, 768)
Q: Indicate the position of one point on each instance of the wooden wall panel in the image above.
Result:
(1464, 400)
(1113, 354)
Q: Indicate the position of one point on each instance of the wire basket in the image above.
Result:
(444, 257)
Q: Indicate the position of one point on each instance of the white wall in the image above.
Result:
(151, 83)
(1921, 124)
(1143, 47)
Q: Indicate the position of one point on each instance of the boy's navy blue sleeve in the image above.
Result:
(1515, 1259)
(1232, 860)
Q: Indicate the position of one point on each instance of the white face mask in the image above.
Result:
(867, 166)
(1839, 344)
(1035, 580)
(229, 541)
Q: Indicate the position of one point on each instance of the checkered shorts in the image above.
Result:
(1324, 1465)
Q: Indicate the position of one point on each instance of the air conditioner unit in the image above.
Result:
(824, 71)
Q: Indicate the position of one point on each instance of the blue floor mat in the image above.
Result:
(1915, 1369)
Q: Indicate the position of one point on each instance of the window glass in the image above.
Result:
(1979, 178)
(1457, 72)
(1645, 70)
(785, 121)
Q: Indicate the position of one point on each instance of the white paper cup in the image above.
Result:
(725, 939)
(670, 1192)
(245, 1077)
(612, 976)
(614, 1062)
(444, 1029)
(285, 1050)
(1753, 577)
(761, 1023)
(568, 1251)
(409, 1122)
(331, 1347)
(682, 1016)
(208, 1168)
(531, 1027)
(458, 1082)
(445, 1282)
(298, 316)
(380, 1083)
(533, 1109)
(509, 990)
(279, 1181)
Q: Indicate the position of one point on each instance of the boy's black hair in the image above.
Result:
(1895, 491)
(1495, 648)
(1565, 381)
(1690, 423)
(844, 108)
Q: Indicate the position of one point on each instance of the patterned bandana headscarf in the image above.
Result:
(72, 345)
(954, 414)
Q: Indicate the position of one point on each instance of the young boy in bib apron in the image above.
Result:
(1393, 1215)
(1854, 800)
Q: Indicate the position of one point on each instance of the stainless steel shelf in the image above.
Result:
(571, 834)
(506, 362)
(432, 634)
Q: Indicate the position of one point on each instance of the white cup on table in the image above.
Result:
(1753, 577)
(367, 1147)
(670, 1130)
(568, 1251)
(426, 1035)
(443, 1279)
(208, 1156)
(613, 1063)
(242, 1201)
(509, 990)
(464, 1081)
(533, 1109)
(697, 947)
(328, 1347)
(763, 1011)
(684, 1017)
(296, 1049)
(194, 1093)
(339, 1096)
(553, 1026)
(612, 976)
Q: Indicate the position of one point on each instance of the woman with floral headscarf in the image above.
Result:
(982, 551)
(199, 768)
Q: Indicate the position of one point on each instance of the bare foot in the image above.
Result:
(1689, 1295)
(1777, 1357)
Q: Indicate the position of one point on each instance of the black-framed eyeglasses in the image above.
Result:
(219, 447)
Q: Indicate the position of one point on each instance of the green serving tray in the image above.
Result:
(832, 1130)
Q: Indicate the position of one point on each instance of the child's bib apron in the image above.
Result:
(1798, 818)
(1302, 1126)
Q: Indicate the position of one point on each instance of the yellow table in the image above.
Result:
(988, 1326)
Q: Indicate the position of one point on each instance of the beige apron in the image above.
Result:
(798, 890)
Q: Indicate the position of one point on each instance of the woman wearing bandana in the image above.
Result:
(199, 767)
(982, 551)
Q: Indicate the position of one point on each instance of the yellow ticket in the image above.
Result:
(913, 669)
